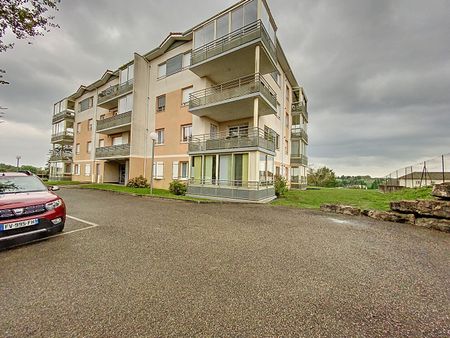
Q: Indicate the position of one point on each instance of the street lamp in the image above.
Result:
(18, 162)
(153, 137)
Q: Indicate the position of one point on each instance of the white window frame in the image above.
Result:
(158, 170)
(160, 140)
(184, 163)
(89, 147)
(184, 137)
(77, 149)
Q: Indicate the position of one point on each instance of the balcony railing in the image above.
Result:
(61, 157)
(115, 121)
(251, 138)
(115, 91)
(246, 85)
(65, 136)
(302, 160)
(239, 37)
(300, 108)
(299, 133)
(121, 150)
(67, 114)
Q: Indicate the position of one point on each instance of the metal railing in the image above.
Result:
(302, 160)
(239, 37)
(63, 136)
(115, 91)
(232, 89)
(247, 138)
(56, 157)
(64, 115)
(121, 150)
(300, 108)
(234, 184)
(114, 121)
(298, 132)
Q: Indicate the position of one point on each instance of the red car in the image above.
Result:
(28, 209)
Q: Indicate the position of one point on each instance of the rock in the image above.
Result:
(442, 190)
(434, 223)
(341, 209)
(390, 216)
(428, 208)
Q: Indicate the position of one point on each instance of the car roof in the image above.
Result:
(13, 174)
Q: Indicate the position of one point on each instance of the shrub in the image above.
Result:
(178, 188)
(138, 182)
(280, 186)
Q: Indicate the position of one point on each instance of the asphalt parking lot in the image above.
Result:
(138, 267)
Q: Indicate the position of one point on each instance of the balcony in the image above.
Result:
(60, 177)
(233, 100)
(115, 124)
(67, 114)
(109, 98)
(112, 152)
(299, 133)
(234, 54)
(299, 160)
(300, 108)
(251, 140)
(61, 157)
(65, 137)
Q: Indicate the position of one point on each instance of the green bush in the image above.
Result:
(280, 186)
(138, 182)
(178, 188)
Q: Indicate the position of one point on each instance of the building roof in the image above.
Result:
(429, 175)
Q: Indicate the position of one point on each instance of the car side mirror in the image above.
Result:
(54, 188)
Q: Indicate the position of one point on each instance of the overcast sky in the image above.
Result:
(376, 73)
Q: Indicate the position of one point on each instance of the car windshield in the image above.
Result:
(18, 184)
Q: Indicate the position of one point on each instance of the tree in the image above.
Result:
(322, 177)
(24, 19)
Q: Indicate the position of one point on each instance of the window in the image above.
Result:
(238, 130)
(250, 12)
(160, 133)
(222, 26)
(77, 149)
(286, 147)
(267, 24)
(127, 74)
(185, 96)
(161, 103)
(101, 143)
(237, 19)
(78, 127)
(126, 104)
(86, 103)
(186, 133)
(87, 170)
(266, 168)
(213, 131)
(204, 35)
(162, 71)
(90, 123)
(184, 170)
(186, 60)
(117, 140)
(158, 170)
(276, 77)
(76, 169)
(89, 147)
(174, 65)
(277, 141)
(175, 170)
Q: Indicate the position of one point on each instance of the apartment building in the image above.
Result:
(222, 99)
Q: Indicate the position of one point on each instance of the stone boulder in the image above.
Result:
(442, 191)
(434, 223)
(427, 208)
(341, 209)
(390, 216)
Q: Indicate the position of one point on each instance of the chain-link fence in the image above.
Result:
(423, 174)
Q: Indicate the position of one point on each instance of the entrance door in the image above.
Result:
(122, 170)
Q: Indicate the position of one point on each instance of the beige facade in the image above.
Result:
(228, 112)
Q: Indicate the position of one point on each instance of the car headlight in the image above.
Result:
(53, 205)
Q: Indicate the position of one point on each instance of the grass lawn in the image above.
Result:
(364, 199)
(139, 191)
(61, 183)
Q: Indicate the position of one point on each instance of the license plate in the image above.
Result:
(16, 225)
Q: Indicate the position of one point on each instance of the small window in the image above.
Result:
(186, 60)
(162, 70)
(174, 65)
(78, 127)
(116, 141)
(127, 74)
(76, 169)
(86, 103)
(277, 141)
(89, 147)
(126, 104)
(184, 170)
(90, 124)
(101, 143)
(185, 97)
(161, 103)
(77, 149)
(186, 133)
(286, 147)
(87, 170)
(160, 133)
(158, 170)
